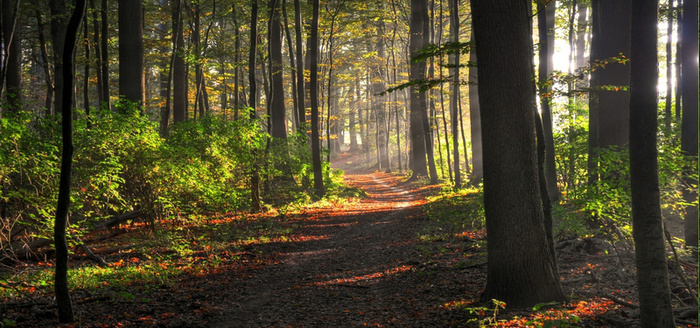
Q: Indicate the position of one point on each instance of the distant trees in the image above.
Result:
(519, 276)
(11, 68)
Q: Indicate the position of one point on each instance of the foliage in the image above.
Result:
(122, 164)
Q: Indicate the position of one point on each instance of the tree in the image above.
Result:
(609, 98)
(11, 61)
(418, 31)
(104, 58)
(650, 251)
(255, 174)
(178, 65)
(278, 115)
(300, 65)
(475, 118)
(519, 276)
(545, 21)
(59, 15)
(312, 47)
(454, 100)
(131, 64)
(689, 133)
(63, 301)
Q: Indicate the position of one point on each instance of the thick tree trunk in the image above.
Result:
(650, 251)
(63, 301)
(519, 276)
(689, 134)
(131, 62)
(313, 95)
(610, 100)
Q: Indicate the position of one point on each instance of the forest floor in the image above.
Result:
(376, 261)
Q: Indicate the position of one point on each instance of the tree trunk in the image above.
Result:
(131, 63)
(608, 98)
(313, 86)
(12, 68)
(650, 250)
(419, 18)
(475, 118)
(104, 59)
(454, 99)
(278, 114)
(546, 52)
(179, 80)
(519, 276)
(256, 205)
(48, 76)
(63, 301)
(300, 65)
(59, 15)
(689, 133)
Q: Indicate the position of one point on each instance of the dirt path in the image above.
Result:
(341, 265)
(352, 265)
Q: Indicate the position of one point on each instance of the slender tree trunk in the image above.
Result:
(59, 15)
(475, 118)
(292, 65)
(546, 51)
(12, 66)
(313, 86)
(237, 70)
(48, 76)
(689, 125)
(256, 204)
(278, 113)
(63, 300)
(104, 59)
(650, 251)
(419, 18)
(300, 65)
(454, 99)
(668, 113)
(98, 56)
(178, 68)
(86, 68)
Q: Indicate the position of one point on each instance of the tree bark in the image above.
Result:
(546, 52)
(63, 301)
(278, 114)
(419, 18)
(256, 205)
(650, 251)
(104, 60)
(475, 117)
(59, 15)
(312, 47)
(179, 80)
(12, 66)
(519, 276)
(131, 62)
(455, 98)
(689, 133)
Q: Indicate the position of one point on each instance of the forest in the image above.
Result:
(345, 163)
